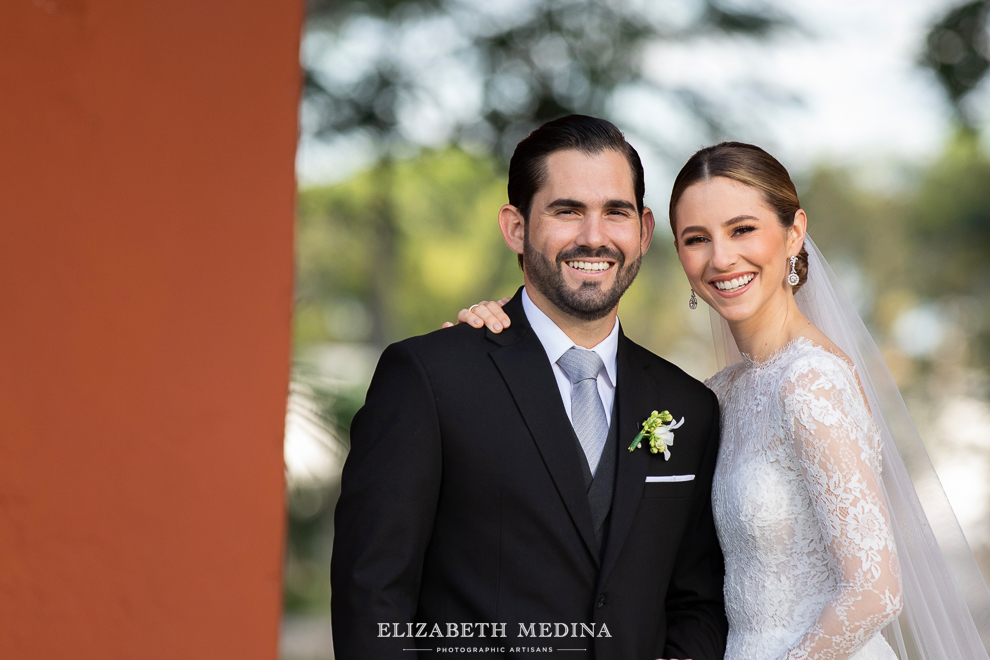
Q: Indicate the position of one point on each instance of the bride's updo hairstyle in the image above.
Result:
(749, 165)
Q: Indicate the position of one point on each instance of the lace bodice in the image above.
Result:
(811, 570)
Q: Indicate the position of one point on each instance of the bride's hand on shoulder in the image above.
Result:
(487, 312)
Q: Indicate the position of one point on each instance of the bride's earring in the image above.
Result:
(793, 278)
(693, 302)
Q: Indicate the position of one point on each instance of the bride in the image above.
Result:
(825, 538)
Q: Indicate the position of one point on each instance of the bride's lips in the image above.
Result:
(727, 278)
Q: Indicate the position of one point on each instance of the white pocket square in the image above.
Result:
(670, 479)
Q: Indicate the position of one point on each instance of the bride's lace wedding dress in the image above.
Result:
(810, 566)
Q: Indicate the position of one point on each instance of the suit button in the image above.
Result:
(601, 601)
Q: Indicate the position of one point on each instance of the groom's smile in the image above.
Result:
(590, 267)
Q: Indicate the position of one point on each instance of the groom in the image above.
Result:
(490, 505)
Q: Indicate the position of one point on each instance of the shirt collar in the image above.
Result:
(556, 342)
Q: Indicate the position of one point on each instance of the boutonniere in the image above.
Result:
(660, 431)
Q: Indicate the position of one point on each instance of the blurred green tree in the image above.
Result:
(957, 49)
(950, 224)
(442, 203)
(533, 60)
(926, 242)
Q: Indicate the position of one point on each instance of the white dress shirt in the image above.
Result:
(556, 343)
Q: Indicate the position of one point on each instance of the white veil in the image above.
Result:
(946, 611)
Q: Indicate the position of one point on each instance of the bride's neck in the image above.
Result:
(770, 329)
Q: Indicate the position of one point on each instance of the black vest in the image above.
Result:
(601, 486)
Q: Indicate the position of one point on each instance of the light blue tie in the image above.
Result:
(587, 412)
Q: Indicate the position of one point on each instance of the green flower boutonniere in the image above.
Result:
(660, 431)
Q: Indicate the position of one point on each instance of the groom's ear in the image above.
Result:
(513, 226)
(647, 224)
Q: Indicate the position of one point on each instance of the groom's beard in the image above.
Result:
(589, 302)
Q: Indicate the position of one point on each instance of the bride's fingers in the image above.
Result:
(493, 316)
(447, 324)
(468, 316)
(485, 313)
(504, 300)
(501, 318)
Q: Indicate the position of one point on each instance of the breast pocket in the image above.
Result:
(669, 486)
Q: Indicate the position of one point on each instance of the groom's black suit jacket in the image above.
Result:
(463, 501)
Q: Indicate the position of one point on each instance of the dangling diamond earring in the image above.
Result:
(793, 278)
(693, 302)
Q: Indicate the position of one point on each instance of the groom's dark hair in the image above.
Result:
(590, 135)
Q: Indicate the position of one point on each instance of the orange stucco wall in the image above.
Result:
(146, 206)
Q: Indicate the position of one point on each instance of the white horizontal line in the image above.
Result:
(670, 478)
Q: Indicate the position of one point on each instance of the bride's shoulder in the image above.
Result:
(820, 387)
(816, 358)
(814, 371)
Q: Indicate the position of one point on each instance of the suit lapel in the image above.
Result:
(523, 363)
(637, 394)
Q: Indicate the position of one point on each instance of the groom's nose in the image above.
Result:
(592, 231)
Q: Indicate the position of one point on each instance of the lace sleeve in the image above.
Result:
(838, 448)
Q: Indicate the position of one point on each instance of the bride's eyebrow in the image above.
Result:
(728, 223)
(739, 218)
(693, 228)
